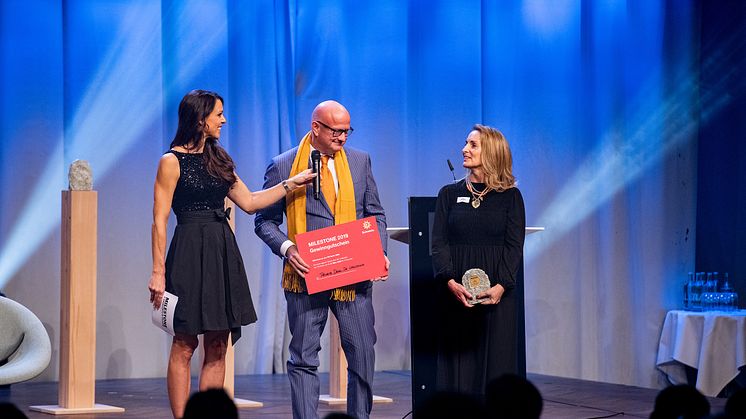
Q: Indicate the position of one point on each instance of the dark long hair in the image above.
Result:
(194, 108)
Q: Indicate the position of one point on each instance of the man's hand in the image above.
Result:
(296, 261)
(383, 278)
(460, 292)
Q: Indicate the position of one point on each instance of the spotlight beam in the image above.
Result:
(111, 116)
(619, 161)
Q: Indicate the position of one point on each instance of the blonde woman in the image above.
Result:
(479, 224)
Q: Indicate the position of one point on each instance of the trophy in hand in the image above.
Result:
(476, 282)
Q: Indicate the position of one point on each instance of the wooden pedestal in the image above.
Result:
(77, 381)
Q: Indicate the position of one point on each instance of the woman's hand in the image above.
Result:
(157, 286)
(460, 292)
(303, 178)
(492, 295)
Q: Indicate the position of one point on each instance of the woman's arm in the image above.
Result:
(163, 193)
(515, 234)
(251, 202)
(442, 262)
(512, 255)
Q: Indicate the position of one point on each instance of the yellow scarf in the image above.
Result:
(344, 211)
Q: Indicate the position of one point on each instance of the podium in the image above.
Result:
(422, 293)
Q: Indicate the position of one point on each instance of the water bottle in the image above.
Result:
(687, 288)
(708, 294)
(701, 290)
(695, 293)
(730, 297)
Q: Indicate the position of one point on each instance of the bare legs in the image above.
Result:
(182, 349)
(213, 367)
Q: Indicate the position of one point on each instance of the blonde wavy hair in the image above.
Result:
(497, 161)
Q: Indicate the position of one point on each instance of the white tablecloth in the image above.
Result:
(713, 342)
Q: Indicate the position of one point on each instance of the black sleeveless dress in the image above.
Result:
(204, 268)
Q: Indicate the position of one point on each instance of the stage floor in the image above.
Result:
(146, 398)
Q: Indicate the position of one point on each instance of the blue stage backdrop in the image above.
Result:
(599, 101)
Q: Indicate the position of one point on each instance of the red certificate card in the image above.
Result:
(341, 255)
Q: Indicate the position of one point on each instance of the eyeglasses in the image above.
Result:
(337, 132)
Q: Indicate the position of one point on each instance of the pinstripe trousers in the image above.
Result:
(307, 315)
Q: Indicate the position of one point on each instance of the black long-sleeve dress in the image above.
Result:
(476, 344)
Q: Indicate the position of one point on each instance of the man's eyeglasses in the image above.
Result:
(336, 132)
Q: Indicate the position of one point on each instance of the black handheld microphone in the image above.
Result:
(316, 167)
(450, 166)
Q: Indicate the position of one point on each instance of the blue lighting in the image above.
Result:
(120, 102)
(619, 160)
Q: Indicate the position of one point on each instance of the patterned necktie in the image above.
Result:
(327, 183)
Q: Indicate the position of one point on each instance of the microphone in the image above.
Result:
(316, 167)
(450, 166)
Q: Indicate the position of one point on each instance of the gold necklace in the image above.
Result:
(477, 196)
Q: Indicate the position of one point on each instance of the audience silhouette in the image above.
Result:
(10, 411)
(680, 401)
(213, 403)
(511, 396)
(736, 405)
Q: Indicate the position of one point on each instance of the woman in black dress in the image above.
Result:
(203, 267)
(479, 223)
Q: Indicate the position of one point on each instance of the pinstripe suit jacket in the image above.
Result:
(318, 215)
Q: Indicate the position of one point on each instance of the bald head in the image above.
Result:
(327, 117)
(330, 112)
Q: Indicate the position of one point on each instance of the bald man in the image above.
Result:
(348, 192)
